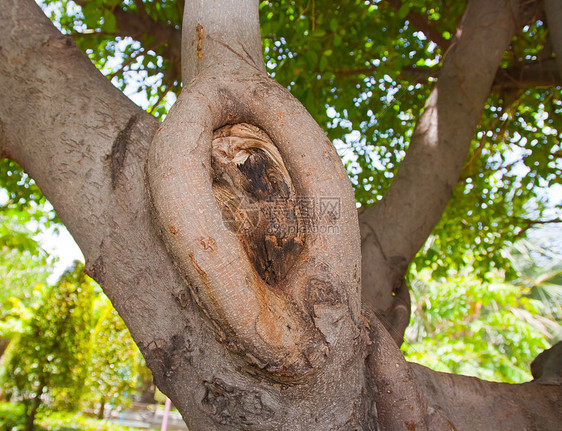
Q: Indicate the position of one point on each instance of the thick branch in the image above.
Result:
(409, 396)
(301, 321)
(540, 74)
(426, 178)
(221, 34)
(533, 405)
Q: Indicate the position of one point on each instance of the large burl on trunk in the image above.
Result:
(228, 238)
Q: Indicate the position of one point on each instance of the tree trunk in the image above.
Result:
(101, 410)
(232, 346)
(32, 411)
(3, 345)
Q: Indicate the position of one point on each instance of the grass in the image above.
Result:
(12, 418)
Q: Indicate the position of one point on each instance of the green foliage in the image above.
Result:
(21, 202)
(23, 275)
(67, 341)
(491, 330)
(365, 72)
(115, 361)
(48, 355)
(539, 268)
(59, 335)
(12, 418)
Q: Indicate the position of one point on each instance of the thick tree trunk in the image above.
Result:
(87, 150)
(301, 331)
(232, 348)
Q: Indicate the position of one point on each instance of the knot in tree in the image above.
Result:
(257, 211)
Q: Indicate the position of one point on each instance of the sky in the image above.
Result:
(62, 246)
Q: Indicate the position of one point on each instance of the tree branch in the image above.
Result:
(210, 40)
(422, 24)
(424, 182)
(540, 73)
(410, 396)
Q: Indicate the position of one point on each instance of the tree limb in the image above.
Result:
(421, 22)
(410, 396)
(541, 73)
(424, 182)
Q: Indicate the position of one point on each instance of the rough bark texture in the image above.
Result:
(305, 327)
(232, 348)
(86, 149)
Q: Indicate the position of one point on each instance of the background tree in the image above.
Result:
(224, 84)
(23, 262)
(491, 330)
(24, 274)
(114, 361)
(48, 357)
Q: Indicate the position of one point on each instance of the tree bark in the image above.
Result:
(217, 357)
(425, 180)
(87, 150)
